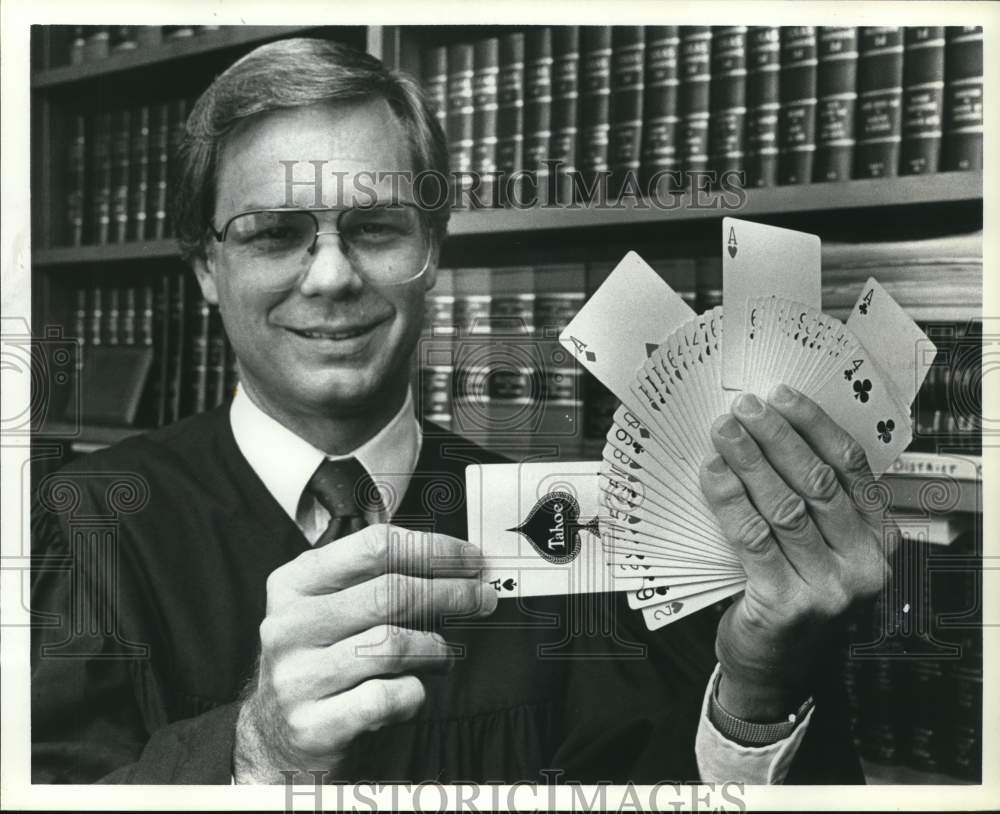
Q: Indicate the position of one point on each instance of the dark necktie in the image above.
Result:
(346, 491)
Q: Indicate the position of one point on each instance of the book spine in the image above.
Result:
(565, 106)
(923, 100)
(178, 113)
(763, 105)
(537, 102)
(131, 324)
(880, 93)
(78, 45)
(139, 160)
(161, 347)
(963, 138)
(595, 100)
(76, 176)
(80, 318)
(178, 320)
(659, 127)
(98, 44)
(628, 58)
(101, 188)
(198, 381)
(694, 99)
(727, 99)
(837, 83)
(215, 387)
(437, 349)
(510, 106)
(112, 316)
(486, 67)
(95, 336)
(159, 156)
(434, 78)
(459, 121)
(797, 115)
(120, 146)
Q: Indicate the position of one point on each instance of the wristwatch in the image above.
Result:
(750, 733)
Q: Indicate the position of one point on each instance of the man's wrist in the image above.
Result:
(757, 701)
(756, 732)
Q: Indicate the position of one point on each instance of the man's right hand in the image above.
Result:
(346, 629)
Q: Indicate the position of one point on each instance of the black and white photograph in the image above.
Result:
(553, 406)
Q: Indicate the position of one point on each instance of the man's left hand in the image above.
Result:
(785, 489)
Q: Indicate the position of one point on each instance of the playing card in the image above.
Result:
(756, 260)
(632, 312)
(895, 342)
(673, 610)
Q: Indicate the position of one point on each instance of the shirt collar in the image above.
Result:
(285, 462)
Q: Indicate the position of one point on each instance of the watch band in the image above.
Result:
(750, 733)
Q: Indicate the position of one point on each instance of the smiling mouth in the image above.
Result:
(334, 335)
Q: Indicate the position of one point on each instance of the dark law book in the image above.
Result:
(537, 102)
(80, 318)
(486, 67)
(628, 57)
(727, 99)
(693, 101)
(112, 384)
(198, 371)
(147, 322)
(121, 144)
(95, 331)
(923, 100)
(176, 346)
(797, 115)
(101, 186)
(434, 78)
(659, 108)
(459, 121)
(132, 321)
(595, 100)
(880, 92)
(178, 113)
(160, 296)
(565, 105)
(159, 171)
(112, 316)
(836, 83)
(763, 104)
(76, 180)
(215, 386)
(510, 105)
(139, 163)
(963, 136)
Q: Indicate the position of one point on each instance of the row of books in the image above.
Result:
(915, 694)
(92, 43)
(193, 365)
(119, 167)
(786, 105)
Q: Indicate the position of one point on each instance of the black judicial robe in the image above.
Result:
(148, 587)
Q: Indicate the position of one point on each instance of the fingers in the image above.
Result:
(387, 599)
(381, 651)
(371, 552)
(772, 499)
(805, 473)
(371, 705)
(832, 443)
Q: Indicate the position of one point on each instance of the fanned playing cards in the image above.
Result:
(637, 520)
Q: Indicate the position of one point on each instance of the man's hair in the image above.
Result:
(288, 74)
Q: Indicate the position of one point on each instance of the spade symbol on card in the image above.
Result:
(553, 527)
(731, 245)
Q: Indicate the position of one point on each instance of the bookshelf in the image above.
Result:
(899, 208)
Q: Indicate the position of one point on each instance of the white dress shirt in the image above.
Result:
(285, 462)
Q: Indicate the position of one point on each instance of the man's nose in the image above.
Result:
(329, 270)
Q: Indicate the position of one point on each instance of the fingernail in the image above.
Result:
(717, 465)
(783, 395)
(748, 405)
(470, 551)
(730, 429)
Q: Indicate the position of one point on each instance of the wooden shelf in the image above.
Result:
(912, 191)
(878, 193)
(226, 37)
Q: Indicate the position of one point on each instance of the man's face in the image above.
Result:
(324, 340)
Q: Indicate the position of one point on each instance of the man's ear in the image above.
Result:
(204, 270)
(430, 276)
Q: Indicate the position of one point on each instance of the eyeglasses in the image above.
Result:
(388, 244)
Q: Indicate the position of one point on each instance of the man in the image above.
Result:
(263, 607)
